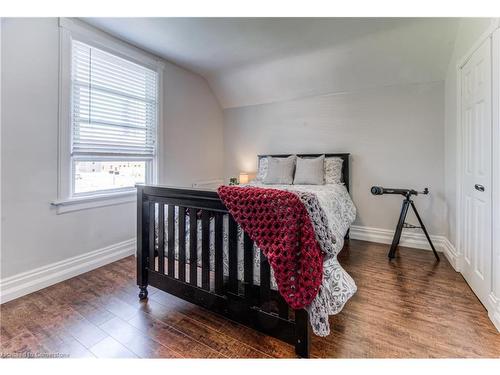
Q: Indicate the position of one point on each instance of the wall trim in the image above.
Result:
(451, 253)
(494, 310)
(106, 41)
(409, 239)
(494, 24)
(495, 183)
(28, 282)
(93, 201)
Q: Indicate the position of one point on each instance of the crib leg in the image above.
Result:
(142, 242)
(143, 294)
(302, 333)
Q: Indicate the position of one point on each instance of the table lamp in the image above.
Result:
(243, 178)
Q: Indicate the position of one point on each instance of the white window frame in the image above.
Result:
(70, 29)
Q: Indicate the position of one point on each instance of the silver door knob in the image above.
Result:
(479, 187)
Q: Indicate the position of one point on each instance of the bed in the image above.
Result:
(190, 246)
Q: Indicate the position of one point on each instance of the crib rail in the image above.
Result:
(190, 263)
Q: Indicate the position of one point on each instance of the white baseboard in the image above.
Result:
(494, 311)
(42, 277)
(451, 253)
(408, 239)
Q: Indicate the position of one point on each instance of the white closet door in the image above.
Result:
(476, 172)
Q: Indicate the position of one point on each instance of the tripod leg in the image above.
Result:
(425, 230)
(399, 228)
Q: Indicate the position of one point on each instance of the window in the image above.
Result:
(108, 118)
(113, 121)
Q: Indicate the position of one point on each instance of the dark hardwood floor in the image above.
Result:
(410, 307)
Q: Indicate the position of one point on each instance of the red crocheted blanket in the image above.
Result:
(278, 223)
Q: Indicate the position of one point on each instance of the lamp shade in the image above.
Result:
(243, 178)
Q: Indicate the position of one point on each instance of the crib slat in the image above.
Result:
(233, 255)
(182, 243)
(248, 263)
(193, 247)
(171, 239)
(152, 234)
(219, 260)
(265, 282)
(161, 238)
(205, 249)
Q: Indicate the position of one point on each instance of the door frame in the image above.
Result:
(493, 302)
(494, 297)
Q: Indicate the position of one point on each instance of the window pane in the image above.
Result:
(93, 176)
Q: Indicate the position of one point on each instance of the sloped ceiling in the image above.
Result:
(250, 61)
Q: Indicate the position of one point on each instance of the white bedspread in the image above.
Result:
(337, 286)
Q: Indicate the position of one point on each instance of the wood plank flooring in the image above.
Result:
(411, 307)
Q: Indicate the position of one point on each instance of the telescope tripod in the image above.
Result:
(407, 202)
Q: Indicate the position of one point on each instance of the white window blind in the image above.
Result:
(114, 105)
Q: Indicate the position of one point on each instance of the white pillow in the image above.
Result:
(280, 170)
(310, 171)
(333, 170)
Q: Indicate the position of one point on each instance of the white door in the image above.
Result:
(476, 171)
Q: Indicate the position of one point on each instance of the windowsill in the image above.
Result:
(94, 201)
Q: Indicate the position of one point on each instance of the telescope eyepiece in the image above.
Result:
(377, 190)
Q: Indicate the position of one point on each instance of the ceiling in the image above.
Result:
(251, 61)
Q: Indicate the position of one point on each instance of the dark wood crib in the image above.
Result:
(256, 306)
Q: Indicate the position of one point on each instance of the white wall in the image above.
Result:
(394, 133)
(470, 29)
(193, 132)
(33, 235)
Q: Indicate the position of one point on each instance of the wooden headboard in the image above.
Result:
(343, 156)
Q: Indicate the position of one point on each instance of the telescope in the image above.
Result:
(378, 190)
(407, 202)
